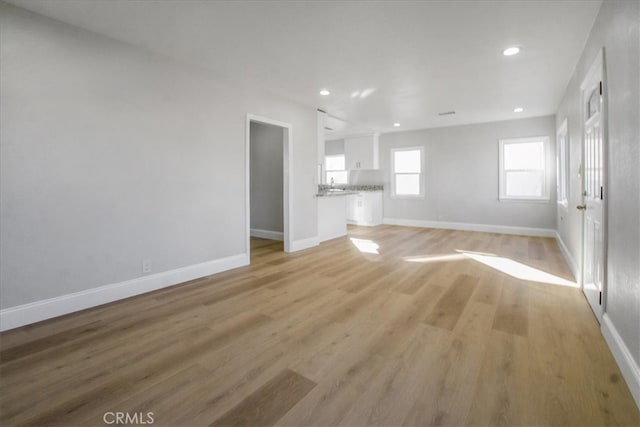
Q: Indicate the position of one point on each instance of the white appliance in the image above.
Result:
(365, 177)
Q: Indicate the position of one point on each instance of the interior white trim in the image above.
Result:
(267, 234)
(628, 366)
(562, 164)
(362, 223)
(286, 177)
(299, 245)
(393, 173)
(573, 266)
(502, 180)
(486, 228)
(26, 314)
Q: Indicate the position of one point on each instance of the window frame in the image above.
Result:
(562, 165)
(327, 170)
(393, 173)
(502, 196)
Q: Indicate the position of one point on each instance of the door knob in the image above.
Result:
(581, 207)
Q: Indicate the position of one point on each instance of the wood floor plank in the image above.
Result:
(420, 277)
(446, 397)
(476, 322)
(489, 288)
(159, 363)
(421, 333)
(561, 366)
(535, 250)
(501, 394)
(391, 394)
(225, 386)
(330, 401)
(45, 343)
(512, 312)
(447, 311)
(150, 399)
(269, 403)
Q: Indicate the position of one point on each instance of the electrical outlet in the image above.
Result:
(146, 266)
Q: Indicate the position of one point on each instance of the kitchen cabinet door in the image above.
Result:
(373, 208)
(365, 208)
(352, 149)
(361, 152)
(358, 209)
(351, 212)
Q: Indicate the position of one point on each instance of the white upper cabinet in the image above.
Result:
(361, 152)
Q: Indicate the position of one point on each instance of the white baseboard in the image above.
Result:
(362, 223)
(331, 236)
(573, 266)
(485, 228)
(267, 234)
(628, 366)
(299, 245)
(21, 315)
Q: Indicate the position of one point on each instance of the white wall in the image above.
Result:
(266, 177)
(461, 175)
(110, 155)
(617, 29)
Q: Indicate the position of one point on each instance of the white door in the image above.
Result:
(593, 173)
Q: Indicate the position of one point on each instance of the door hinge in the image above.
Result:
(600, 87)
(601, 193)
(600, 302)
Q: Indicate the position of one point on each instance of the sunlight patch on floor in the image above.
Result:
(435, 258)
(520, 271)
(505, 265)
(366, 246)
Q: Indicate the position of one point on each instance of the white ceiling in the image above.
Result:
(411, 59)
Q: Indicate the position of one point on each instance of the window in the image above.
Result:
(406, 172)
(563, 164)
(335, 167)
(523, 172)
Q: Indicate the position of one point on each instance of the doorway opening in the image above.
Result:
(268, 183)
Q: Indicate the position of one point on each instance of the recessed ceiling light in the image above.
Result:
(511, 51)
(396, 125)
(325, 92)
(518, 110)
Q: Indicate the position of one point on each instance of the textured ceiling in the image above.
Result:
(384, 62)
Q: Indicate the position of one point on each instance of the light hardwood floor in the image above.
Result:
(427, 331)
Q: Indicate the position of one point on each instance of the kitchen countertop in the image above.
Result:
(322, 188)
(335, 193)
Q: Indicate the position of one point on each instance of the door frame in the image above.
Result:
(287, 167)
(598, 64)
